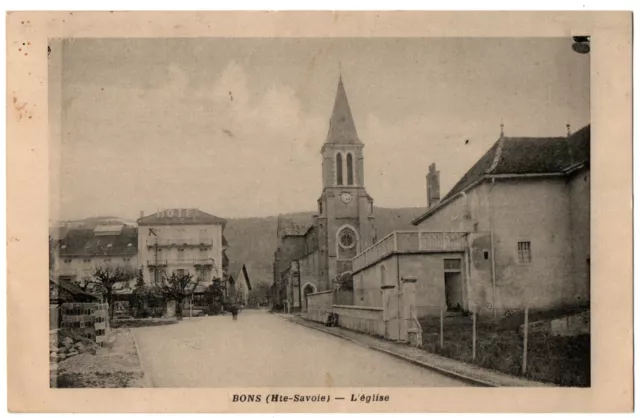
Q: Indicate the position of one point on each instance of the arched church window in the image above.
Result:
(349, 169)
(339, 169)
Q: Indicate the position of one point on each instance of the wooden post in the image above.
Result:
(526, 340)
(442, 327)
(474, 336)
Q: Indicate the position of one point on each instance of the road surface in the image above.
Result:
(264, 350)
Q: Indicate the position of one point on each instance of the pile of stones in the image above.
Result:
(66, 347)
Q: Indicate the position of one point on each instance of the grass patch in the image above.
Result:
(563, 361)
(142, 322)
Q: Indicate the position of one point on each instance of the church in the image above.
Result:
(513, 233)
(314, 250)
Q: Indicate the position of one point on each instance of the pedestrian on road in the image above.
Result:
(234, 312)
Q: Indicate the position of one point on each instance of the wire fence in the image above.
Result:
(549, 346)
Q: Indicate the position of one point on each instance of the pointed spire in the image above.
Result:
(342, 129)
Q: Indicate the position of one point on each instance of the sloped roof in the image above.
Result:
(523, 155)
(294, 225)
(482, 166)
(108, 229)
(73, 290)
(342, 129)
(83, 242)
(181, 217)
(237, 274)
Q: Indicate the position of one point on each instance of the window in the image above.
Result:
(339, 169)
(320, 207)
(524, 252)
(180, 254)
(383, 273)
(486, 254)
(67, 260)
(347, 238)
(452, 264)
(349, 169)
(180, 272)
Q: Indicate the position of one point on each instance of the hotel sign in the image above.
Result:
(176, 213)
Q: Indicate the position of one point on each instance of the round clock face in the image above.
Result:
(347, 238)
(345, 197)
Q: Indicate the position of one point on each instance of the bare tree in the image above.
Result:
(178, 287)
(105, 277)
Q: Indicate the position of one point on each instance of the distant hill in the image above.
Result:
(252, 241)
(92, 222)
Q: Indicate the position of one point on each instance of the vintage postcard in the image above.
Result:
(319, 212)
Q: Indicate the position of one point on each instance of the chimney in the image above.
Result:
(433, 186)
(141, 214)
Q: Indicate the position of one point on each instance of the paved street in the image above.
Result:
(261, 350)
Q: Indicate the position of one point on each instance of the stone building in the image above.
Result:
(512, 233)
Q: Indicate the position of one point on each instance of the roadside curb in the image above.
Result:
(147, 382)
(451, 373)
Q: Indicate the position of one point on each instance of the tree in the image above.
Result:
(215, 296)
(141, 293)
(105, 277)
(178, 287)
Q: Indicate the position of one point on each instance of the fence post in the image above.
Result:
(526, 340)
(474, 336)
(441, 327)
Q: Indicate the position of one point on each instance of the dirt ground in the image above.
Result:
(116, 365)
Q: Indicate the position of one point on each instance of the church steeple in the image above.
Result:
(345, 222)
(342, 129)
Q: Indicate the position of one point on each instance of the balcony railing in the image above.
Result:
(179, 242)
(410, 242)
(186, 261)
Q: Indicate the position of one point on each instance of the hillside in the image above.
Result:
(252, 241)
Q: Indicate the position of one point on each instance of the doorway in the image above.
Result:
(306, 291)
(453, 292)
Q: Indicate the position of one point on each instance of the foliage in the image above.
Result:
(144, 296)
(215, 296)
(106, 277)
(177, 287)
(344, 282)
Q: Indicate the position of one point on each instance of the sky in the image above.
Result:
(234, 127)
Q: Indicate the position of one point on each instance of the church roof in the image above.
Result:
(523, 155)
(294, 224)
(342, 129)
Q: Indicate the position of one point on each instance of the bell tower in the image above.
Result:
(345, 209)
